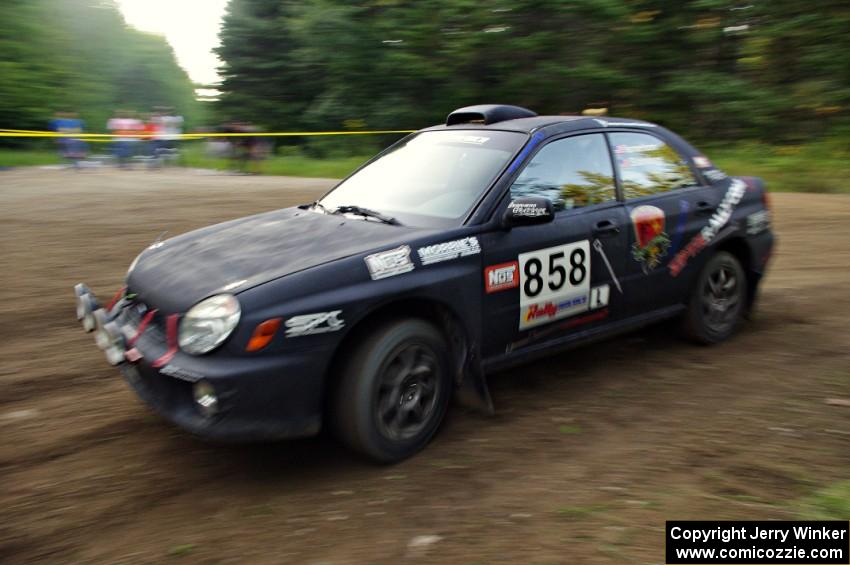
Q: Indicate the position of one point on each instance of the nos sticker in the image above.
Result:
(501, 277)
(554, 283)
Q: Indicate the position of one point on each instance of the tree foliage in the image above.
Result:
(80, 56)
(712, 68)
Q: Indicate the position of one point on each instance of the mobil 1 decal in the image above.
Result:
(554, 283)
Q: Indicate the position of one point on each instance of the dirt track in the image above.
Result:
(591, 451)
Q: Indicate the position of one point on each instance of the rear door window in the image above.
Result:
(648, 166)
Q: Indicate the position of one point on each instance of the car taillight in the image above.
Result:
(765, 198)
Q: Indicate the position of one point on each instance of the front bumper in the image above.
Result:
(259, 397)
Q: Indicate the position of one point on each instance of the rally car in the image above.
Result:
(464, 248)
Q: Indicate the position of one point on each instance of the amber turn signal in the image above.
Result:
(263, 334)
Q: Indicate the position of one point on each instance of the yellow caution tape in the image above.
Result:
(107, 136)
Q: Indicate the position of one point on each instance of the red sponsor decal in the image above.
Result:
(681, 259)
(536, 311)
(600, 315)
(501, 277)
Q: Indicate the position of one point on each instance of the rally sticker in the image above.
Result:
(501, 277)
(702, 162)
(717, 220)
(318, 323)
(554, 283)
(651, 241)
(758, 222)
(449, 250)
(389, 263)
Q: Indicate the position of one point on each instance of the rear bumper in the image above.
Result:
(258, 397)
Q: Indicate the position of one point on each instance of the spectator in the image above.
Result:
(70, 148)
(170, 128)
(125, 126)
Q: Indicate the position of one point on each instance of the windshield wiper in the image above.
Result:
(366, 213)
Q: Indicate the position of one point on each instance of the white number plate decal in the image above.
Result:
(554, 283)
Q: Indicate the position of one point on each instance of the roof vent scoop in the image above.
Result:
(487, 114)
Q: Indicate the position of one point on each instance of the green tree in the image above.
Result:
(79, 55)
(708, 68)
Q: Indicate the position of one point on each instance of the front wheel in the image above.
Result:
(394, 391)
(717, 302)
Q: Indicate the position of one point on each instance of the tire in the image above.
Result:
(718, 300)
(394, 391)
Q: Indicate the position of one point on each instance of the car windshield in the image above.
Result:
(432, 179)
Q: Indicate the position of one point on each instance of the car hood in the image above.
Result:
(175, 274)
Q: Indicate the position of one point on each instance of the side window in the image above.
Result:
(571, 172)
(647, 165)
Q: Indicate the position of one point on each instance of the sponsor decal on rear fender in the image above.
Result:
(758, 222)
(717, 220)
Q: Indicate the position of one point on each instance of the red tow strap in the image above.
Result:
(116, 298)
(171, 339)
(143, 325)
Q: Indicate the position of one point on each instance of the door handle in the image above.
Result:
(704, 208)
(605, 228)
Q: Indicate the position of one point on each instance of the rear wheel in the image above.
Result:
(717, 302)
(394, 391)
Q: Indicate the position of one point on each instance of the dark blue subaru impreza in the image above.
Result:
(464, 248)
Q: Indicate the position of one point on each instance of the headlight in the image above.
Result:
(208, 323)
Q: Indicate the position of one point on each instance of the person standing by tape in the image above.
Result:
(70, 148)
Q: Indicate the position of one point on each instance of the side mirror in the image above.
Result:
(528, 211)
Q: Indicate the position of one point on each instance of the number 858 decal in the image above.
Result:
(554, 283)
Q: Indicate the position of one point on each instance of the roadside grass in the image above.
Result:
(27, 158)
(293, 165)
(822, 166)
(830, 503)
(193, 155)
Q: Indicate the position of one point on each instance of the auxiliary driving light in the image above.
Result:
(114, 355)
(205, 398)
(86, 307)
(80, 290)
(115, 344)
(101, 318)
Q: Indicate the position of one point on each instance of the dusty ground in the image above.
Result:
(591, 451)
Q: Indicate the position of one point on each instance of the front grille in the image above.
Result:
(132, 316)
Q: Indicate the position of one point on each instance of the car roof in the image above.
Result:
(536, 123)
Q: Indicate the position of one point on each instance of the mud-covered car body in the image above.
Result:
(509, 279)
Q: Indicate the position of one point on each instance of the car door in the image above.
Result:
(544, 281)
(666, 208)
